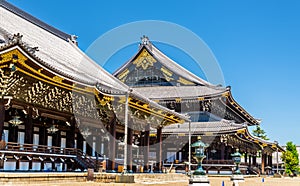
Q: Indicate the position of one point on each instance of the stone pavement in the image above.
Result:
(215, 181)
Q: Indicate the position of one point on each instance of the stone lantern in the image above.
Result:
(237, 175)
(199, 177)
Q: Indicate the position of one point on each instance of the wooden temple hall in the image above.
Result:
(61, 111)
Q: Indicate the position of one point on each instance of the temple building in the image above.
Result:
(61, 111)
(215, 115)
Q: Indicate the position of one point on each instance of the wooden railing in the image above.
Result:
(82, 157)
(218, 162)
(10, 146)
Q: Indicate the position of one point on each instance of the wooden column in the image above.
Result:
(18, 164)
(112, 145)
(254, 160)
(228, 151)
(263, 161)
(89, 144)
(2, 117)
(42, 165)
(56, 139)
(130, 138)
(250, 157)
(29, 127)
(222, 151)
(13, 133)
(43, 135)
(159, 149)
(79, 141)
(70, 141)
(30, 165)
(246, 157)
(146, 147)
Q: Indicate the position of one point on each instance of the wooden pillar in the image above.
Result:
(29, 127)
(13, 133)
(146, 147)
(42, 135)
(70, 141)
(263, 161)
(2, 117)
(18, 164)
(271, 162)
(89, 145)
(222, 151)
(250, 157)
(112, 145)
(228, 154)
(97, 151)
(56, 139)
(159, 149)
(30, 165)
(130, 138)
(246, 157)
(254, 160)
(79, 141)
(42, 165)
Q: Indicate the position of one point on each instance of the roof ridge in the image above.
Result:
(8, 6)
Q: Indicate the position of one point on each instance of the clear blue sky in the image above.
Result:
(257, 44)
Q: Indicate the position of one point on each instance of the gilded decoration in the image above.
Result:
(166, 71)
(122, 76)
(17, 57)
(13, 56)
(144, 60)
(167, 74)
(39, 93)
(33, 86)
(184, 81)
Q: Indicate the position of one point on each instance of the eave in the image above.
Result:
(244, 134)
(231, 103)
(18, 55)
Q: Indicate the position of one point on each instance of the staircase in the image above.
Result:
(84, 161)
(254, 170)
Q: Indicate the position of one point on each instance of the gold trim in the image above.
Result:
(57, 81)
(178, 100)
(225, 94)
(53, 81)
(57, 78)
(166, 71)
(200, 98)
(184, 81)
(123, 74)
(241, 131)
(144, 60)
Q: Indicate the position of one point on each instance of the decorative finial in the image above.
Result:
(74, 39)
(145, 40)
(16, 38)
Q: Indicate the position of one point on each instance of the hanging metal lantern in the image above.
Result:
(52, 129)
(15, 121)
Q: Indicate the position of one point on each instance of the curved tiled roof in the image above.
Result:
(212, 127)
(58, 53)
(166, 92)
(34, 20)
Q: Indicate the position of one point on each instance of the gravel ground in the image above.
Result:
(214, 181)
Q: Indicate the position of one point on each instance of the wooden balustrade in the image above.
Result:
(44, 150)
